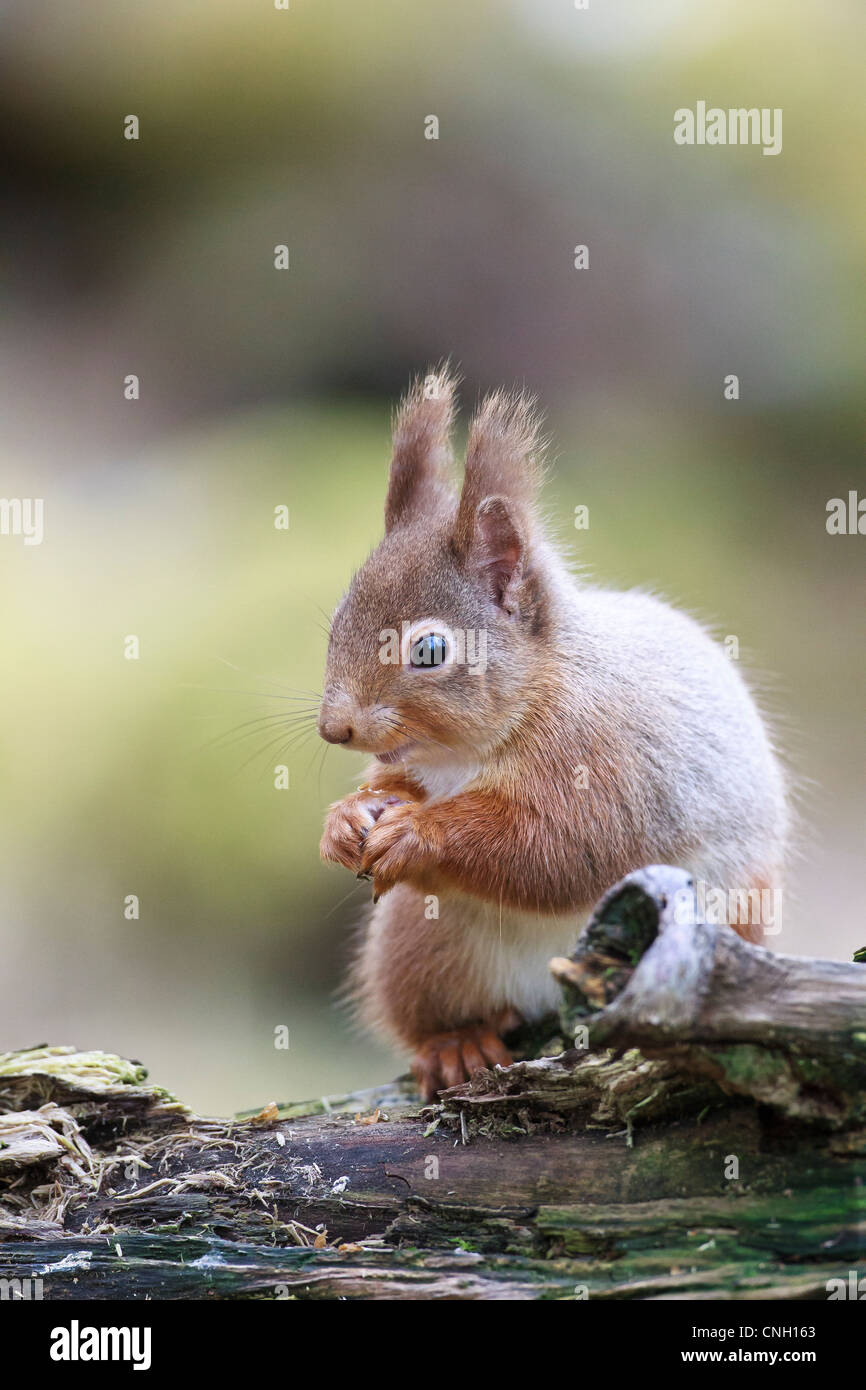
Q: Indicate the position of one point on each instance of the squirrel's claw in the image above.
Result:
(450, 1059)
(393, 849)
(347, 826)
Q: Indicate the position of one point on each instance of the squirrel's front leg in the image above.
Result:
(404, 848)
(479, 841)
(349, 821)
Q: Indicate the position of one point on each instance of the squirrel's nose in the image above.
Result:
(335, 730)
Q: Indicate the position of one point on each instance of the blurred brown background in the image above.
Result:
(260, 127)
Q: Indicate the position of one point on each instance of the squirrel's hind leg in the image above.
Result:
(756, 912)
(434, 975)
(450, 1058)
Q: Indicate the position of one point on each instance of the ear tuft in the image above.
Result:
(419, 479)
(504, 463)
(496, 517)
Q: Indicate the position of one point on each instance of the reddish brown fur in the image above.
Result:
(447, 1059)
(418, 479)
(521, 838)
(742, 924)
(517, 833)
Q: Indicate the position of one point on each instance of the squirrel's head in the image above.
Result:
(434, 648)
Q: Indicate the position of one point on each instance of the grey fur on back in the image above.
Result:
(710, 771)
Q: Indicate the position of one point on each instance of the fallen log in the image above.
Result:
(693, 1126)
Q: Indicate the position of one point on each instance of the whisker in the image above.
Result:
(328, 617)
(284, 728)
(254, 726)
(280, 742)
(326, 748)
(310, 696)
(271, 680)
(351, 893)
(416, 734)
(313, 758)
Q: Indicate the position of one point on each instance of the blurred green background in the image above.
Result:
(260, 388)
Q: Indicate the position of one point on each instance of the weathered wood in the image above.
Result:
(729, 1163)
(787, 1030)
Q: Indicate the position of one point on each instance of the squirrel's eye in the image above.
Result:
(429, 650)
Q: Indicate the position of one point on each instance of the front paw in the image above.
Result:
(348, 824)
(397, 849)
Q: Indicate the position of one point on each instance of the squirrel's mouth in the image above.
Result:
(394, 755)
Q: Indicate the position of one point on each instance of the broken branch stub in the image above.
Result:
(788, 1031)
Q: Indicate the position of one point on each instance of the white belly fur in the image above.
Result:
(506, 954)
(503, 953)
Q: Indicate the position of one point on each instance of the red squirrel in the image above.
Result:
(535, 738)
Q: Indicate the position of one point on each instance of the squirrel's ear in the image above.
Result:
(495, 517)
(496, 552)
(419, 477)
